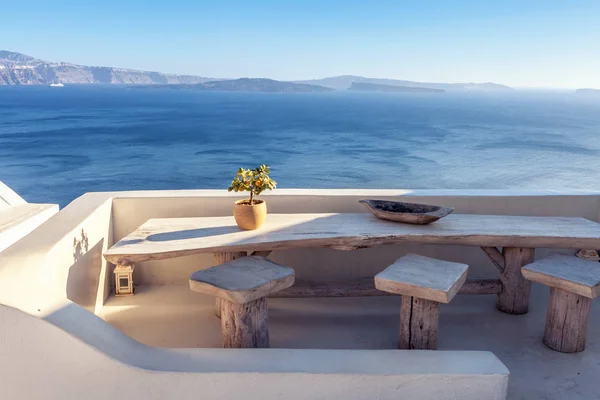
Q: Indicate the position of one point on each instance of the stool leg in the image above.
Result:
(245, 325)
(418, 323)
(566, 321)
(222, 258)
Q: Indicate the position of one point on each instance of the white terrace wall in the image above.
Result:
(131, 209)
(61, 261)
(42, 362)
(57, 274)
(9, 197)
(18, 218)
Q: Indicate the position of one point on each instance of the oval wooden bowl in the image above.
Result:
(409, 213)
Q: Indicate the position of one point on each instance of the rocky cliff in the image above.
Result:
(20, 69)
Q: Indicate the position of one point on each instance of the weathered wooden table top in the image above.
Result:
(164, 238)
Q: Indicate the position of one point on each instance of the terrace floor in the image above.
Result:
(174, 316)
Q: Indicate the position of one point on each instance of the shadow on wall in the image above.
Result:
(80, 246)
(84, 273)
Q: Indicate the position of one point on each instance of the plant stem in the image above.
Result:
(251, 195)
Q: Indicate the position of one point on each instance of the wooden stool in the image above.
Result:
(243, 286)
(574, 283)
(424, 283)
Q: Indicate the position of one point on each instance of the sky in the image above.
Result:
(521, 43)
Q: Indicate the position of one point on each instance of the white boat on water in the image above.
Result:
(56, 85)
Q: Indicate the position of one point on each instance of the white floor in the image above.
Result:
(174, 316)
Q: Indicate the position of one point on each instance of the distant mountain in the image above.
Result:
(344, 82)
(21, 69)
(247, 85)
(12, 57)
(588, 91)
(374, 87)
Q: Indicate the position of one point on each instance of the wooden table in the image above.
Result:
(519, 236)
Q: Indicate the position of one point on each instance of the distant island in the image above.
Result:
(588, 91)
(246, 85)
(21, 69)
(344, 82)
(374, 87)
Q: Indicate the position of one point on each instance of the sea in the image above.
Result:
(58, 143)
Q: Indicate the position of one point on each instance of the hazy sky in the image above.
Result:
(551, 43)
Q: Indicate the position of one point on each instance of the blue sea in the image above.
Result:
(58, 143)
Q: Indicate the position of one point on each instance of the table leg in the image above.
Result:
(222, 258)
(514, 298)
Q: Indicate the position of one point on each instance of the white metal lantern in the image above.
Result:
(124, 280)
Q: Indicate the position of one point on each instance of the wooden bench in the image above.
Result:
(574, 283)
(243, 286)
(424, 283)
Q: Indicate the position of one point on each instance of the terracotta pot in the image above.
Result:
(248, 216)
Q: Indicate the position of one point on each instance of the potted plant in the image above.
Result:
(251, 213)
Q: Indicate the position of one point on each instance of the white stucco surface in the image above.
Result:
(48, 363)
(54, 280)
(9, 197)
(174, 316)
(18, 218)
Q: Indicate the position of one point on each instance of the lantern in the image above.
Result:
(124, 280)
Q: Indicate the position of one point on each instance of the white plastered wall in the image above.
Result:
(48, 363)
(57, 274)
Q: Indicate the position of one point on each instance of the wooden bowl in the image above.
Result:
(409, 213)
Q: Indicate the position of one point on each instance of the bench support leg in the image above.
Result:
(245, 325)
(418, 323)
(566, 321)
(514, 298)
(222, 258)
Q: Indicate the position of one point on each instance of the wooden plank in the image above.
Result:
(174, 237)
(222, 258)
(242, 280)
(566, 272)
(245, 326)
(365, 287)
(418, 323)
(496, 256)
(481, 286)
(567, 321)
(514, 298)
(423, 277)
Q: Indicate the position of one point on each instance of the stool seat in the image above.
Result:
(423, 277)
(569, 273)
(243, 280)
